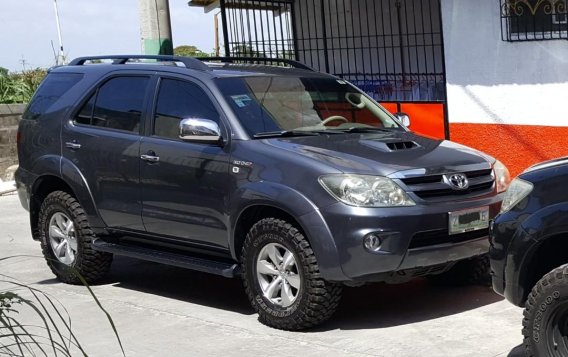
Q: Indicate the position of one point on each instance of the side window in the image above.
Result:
(117, 104)
(86, 113)
(179, 100)
(51, 89)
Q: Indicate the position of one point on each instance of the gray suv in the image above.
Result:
(264, 169)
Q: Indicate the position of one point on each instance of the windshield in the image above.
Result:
(266, 104)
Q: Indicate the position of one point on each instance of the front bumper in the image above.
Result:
(414, 237)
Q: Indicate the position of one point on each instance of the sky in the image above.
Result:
(88, 27)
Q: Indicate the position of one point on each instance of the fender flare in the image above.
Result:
(303, 210)
(539, 226)
(59, 167)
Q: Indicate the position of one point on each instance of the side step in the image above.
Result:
(225, 269)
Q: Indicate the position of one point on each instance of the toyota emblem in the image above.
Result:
(457, 181)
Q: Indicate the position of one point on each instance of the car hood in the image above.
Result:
(384, 153)
(546, 164)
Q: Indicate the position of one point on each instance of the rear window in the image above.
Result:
(49, 92)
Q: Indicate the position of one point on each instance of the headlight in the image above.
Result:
(502, 176)
(366, 191)
(518, 190)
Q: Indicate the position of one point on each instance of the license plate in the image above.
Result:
(469, 220)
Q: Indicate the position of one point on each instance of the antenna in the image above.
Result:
(23, 62)
(61, 55)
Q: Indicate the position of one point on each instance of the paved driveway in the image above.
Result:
(167, 311)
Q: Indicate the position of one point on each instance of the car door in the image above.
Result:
(103, 141)
(184, 186)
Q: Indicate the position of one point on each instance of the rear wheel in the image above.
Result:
(66, 240)
(545, 322)
(282, 278)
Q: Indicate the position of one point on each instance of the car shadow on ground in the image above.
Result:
(518, 351)
(366, 307)
(386, 305)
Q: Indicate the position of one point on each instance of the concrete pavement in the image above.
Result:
(167, 311)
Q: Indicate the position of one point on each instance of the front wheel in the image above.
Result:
(545, 322)
(66, 240)
(282, 279)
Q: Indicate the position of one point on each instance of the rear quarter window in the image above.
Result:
(53, 87)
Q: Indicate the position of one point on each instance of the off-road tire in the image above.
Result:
(317, 299)
(546, 309)
(90, 264)
(474, 271)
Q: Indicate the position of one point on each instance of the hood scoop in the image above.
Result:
(402, 145)
(391, 145)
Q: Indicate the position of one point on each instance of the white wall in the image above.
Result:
(493, 81)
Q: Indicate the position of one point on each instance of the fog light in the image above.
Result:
(372, 242)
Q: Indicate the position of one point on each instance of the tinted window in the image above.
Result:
(49, 92)
(86, 113)
(179, 100)
(118, 104)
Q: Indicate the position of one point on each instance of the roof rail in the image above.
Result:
(264, 60)
(189, 62)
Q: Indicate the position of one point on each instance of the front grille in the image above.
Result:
(433, 186)
(441, 236)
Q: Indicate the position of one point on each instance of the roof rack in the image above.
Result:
(264, 60)
(189, 62)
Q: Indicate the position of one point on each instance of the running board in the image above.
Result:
(225, 269)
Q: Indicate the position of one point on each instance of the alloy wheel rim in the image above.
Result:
(63, 238)
(278, 275)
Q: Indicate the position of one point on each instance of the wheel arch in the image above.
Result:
(279, 201)
(540, 245)
(69, 180)
(550, 253)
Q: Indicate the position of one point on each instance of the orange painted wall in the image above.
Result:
(425, 118)
(517, 146)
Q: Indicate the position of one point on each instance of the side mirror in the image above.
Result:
(403, 118)
(201, 130)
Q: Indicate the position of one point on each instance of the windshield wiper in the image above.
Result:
(285, 133)
(359, 129)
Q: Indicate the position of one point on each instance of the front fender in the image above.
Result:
(547, 222)
(297, 205)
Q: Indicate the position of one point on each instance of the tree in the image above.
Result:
(244, 50)
(3, 72)
(189, 51)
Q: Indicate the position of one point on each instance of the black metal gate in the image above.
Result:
(392, 49)
(253, 28)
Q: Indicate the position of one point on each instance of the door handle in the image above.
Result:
(73, 145)
(150, 157)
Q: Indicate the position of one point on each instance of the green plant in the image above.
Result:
(189, 51)
(19, 87)
(51, 335)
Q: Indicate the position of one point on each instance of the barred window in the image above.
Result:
(532, 20)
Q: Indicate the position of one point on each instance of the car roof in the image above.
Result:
(199, 68)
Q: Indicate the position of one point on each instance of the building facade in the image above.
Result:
(491, 74)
